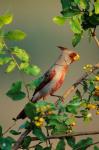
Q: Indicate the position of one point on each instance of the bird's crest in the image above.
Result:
(62, 48)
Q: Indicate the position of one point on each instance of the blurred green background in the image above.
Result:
(35, 18)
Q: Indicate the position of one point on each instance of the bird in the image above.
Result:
(53, 78)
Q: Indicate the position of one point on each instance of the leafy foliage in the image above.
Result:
(55, 119)
(15, 92)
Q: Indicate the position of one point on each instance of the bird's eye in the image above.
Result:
(74, 56)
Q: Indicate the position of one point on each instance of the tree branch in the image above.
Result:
(68, 135)
(95, 37)
(83, 77)
(66, 93)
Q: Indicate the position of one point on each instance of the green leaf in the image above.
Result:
(96, 147)
(69, 121)
(75, 25)
(47, 148)
(83, 4)
(15, 92)
(73, 106)
(25, 125)
(11, 66)
(15, 35)
(35, 83)
(82, 144)
(71, 141)
(61, 145)
(4, 60)
(39, 134)
(59, 20)
(6, 19)
(21, 54)
(24, 65)
(0, 130)
(77, 1)
(14, 132)
(85, 86)
(69, 12)
(65, 4)
(6, 143)
(26, 142)
(76, 39)
(96, 4)
(30, 110)
(39, 147)
(32, 70)
(91, 86)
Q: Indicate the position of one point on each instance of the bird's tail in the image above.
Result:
(21, 115)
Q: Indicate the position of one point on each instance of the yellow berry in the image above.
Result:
(97, 112)
(38, 109)
(50, 112)
(97, 78)
(73, 124)
(36, 118)
(41, 120)
(91, 106)
(48, 106)
(37, 123)
(97, 88)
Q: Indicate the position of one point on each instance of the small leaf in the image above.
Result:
(82, 144)
(75, 25)
(20, 53)
(24, 65)
(96, 147)
(11, 66)
(61, 145)
(59, 20)
(71, 141)
(85, 86)
(15, 35)
(30, 110)
(25, 125)
(39, 134)
(15, 92)
(77, 1)
(15, 132)
(96, 4)
(69, 13)
(47, 148)
(83, 4)
(26, 142)
(6, 19)
(76, 39)
(0, 130)
(65, 4)
(32, 70)
(91, 86)
(4, 60)
(39, 147)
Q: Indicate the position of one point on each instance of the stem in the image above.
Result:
(83, 77)
(22, 77)
(69, 135)
(7, 130)
(95, 37)
(21, 138)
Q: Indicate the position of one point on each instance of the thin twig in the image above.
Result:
(19, 141)
(22, 77)
(83, 77)
(7, 130)
(94, 36)
(68, 135)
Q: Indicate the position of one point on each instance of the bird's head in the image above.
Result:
(69, 55)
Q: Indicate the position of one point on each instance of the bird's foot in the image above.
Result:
(60, 98)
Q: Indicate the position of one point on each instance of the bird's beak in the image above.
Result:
(77, 57)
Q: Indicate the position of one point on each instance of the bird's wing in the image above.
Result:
(47, 77)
